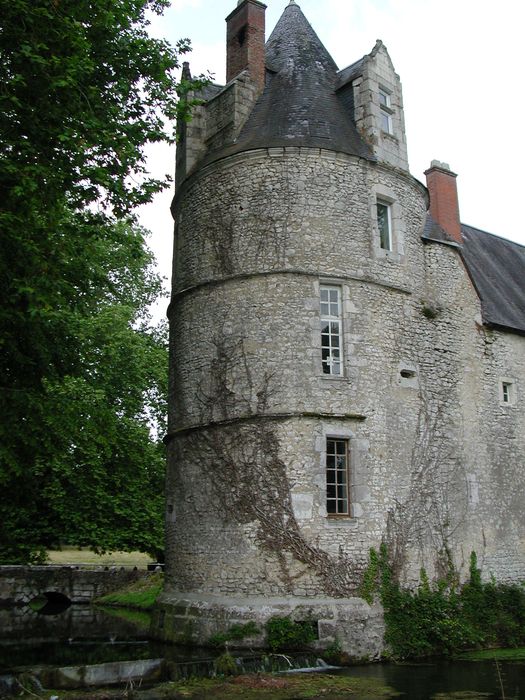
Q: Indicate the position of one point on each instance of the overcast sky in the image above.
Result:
(460, 63)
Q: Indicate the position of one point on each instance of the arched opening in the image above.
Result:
(50, 603)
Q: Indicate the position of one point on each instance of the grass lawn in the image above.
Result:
(140, 594)
(73, 555)
(517, 654)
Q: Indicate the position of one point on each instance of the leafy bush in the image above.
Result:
(225, 665)
(443, 618)
(283, 633)
(235, 632)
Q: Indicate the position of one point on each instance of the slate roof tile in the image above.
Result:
(497, 268)
(299, 106)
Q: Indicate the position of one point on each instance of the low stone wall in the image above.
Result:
(192, 619)
(20, 584)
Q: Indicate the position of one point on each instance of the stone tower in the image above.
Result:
(313, 389)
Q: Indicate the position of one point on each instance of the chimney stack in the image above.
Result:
(444, 206)
(245, 41)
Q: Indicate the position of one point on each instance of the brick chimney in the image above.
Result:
(245, 41)
(444, 206)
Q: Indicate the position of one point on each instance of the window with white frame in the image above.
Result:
(331, 330)
(385, 111)
(337, 477)
(507, 392)
(384, 224)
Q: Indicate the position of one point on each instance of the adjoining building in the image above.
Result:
(347, 359)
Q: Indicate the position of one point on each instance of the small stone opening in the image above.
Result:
(241, 36)
(50, 603)
(407, 373)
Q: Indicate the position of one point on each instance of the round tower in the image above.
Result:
(297, 249)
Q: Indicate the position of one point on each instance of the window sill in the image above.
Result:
(334, 378)
(342, 520)
(391, 137)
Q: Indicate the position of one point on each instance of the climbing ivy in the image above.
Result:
(442, 618)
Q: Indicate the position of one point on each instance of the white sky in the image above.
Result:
(460, 63)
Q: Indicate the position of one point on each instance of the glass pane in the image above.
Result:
(325, 327)
(334, 309)
(341, 462)
(330, 507)
(330, 446)
(336, 368)
(383, 98)
(385, 122)
(330, 461)
(334, 295)
(324, 294)
(334, 327)
(383, 225)
(341, 447)
(330, 476)
(330, 491)
(341, 491)
(325, 308)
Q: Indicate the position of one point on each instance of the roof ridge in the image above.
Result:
(494, 235)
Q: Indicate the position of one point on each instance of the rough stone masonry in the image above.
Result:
(347, 369)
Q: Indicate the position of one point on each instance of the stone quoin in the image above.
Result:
(347, 359)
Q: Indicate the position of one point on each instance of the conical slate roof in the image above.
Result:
(299, 106)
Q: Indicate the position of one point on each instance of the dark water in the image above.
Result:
(82, 635)
(422, 681)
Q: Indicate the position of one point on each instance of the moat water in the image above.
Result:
(83, 635)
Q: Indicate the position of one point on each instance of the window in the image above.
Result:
(385, 111)
(337, 501)
(507, 392)
(331, 335)
(384, 224)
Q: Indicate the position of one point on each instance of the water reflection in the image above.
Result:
(426, 680)
(83, 634)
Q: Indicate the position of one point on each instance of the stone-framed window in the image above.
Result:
(331, 330)
(384, 224)
(507, 391)
(387, 224)
(385, 110)
(337, 476)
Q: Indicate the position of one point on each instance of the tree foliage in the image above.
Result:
(83, 90)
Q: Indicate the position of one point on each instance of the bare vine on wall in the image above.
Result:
(248, 478)
(252, 228)
(429, 515)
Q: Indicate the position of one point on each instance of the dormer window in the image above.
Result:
(385, 111)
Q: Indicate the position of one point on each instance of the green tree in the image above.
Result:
(83, 90)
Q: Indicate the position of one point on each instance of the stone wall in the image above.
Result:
(434, 457)
(20, 584)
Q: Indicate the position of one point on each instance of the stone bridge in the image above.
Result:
(20, 584)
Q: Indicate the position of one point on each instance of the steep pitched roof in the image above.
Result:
(497, 268)
(299, 106)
